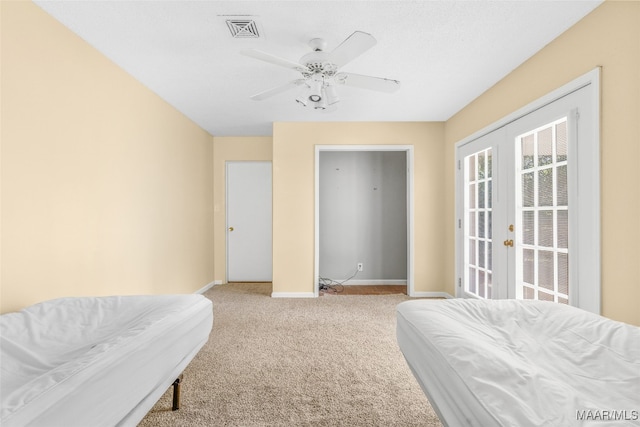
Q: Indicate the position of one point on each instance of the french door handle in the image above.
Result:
(508, 243)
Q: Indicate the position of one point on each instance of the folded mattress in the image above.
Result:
(100, 361)
(521, 363)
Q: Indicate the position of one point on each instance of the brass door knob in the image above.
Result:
(230, 228)
(508, 243)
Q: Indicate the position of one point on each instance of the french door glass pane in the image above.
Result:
(478, 228)
(542, 257)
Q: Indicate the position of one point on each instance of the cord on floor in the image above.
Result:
(331, 286)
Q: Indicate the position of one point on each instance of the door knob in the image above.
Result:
(230, 228)
(508, 243)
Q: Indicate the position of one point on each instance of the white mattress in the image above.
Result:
(95, 361)
(521, 363)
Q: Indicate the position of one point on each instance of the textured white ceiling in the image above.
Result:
(445, 53)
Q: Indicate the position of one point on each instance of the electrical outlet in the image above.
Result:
(360, 266)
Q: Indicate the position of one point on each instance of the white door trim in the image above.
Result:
(410, 217)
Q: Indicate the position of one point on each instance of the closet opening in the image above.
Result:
(363, 219)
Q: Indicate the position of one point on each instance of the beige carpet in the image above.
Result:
(330, 361)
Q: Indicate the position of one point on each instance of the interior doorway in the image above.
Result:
(364, 215)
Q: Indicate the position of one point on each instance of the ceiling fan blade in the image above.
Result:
(276, 90)
(355, 45)
(267, 57)
(368, 82)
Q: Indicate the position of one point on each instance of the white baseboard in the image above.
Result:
(376, 282)
(432, 295)
(217, 282)
(206, 288)
(292, 295)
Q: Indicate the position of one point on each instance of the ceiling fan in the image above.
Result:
(320, 71)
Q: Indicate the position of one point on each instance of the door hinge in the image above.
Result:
(459, 223)
(458, 164)
(459, 282)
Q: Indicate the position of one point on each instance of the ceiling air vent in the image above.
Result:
(243, 28)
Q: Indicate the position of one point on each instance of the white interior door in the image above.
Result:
(249, 225)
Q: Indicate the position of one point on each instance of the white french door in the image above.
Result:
(541, 202)
(478, 195)
(528, 208)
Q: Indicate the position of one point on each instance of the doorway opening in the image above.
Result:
(363, 218)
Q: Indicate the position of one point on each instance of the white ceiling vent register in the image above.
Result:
(243, 28)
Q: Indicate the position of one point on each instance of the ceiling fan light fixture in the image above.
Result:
(315, 94)
(320, 71)
(321, 103)
(303, 95)
(331, 94)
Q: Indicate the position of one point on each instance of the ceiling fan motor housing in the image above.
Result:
(318, 63)
(318, 44)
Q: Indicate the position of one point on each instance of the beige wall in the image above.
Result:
(106, 189)
(609, 37)
(293, 195)
(230, 149)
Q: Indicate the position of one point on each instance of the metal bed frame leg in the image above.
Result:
(176, 393)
